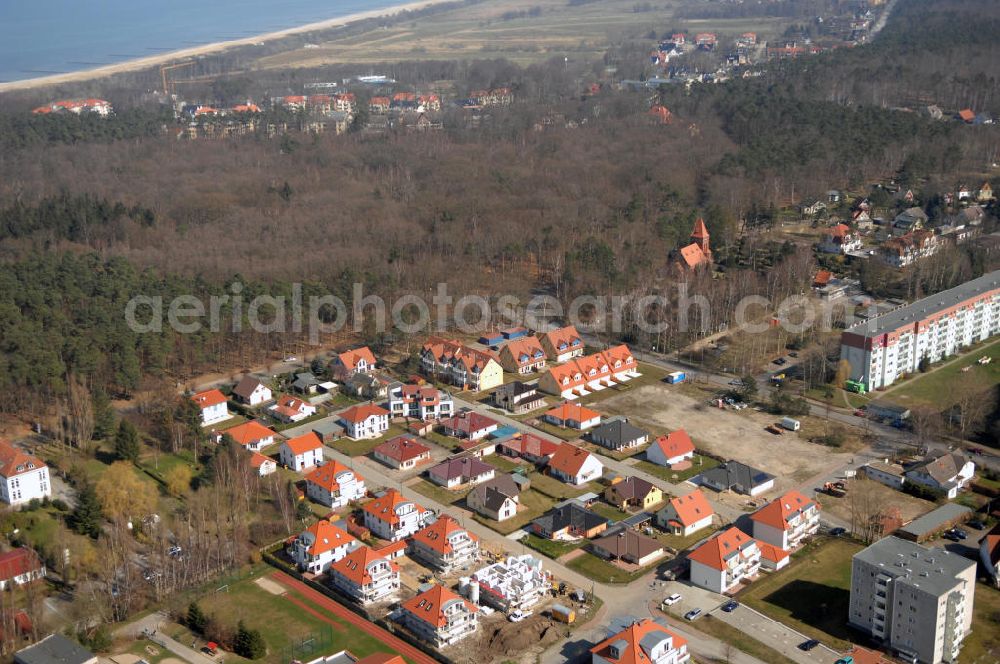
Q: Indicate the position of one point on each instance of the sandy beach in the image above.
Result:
(160, 58)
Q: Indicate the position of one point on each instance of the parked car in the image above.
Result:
(837, 532)
(736, 382)
(959, 533)
(793, 354)
(780, 361)
(517, 615)
(730, 606)
(976, 523)
(808, 645)
(951, 536)
(692, 614)
(673, 599)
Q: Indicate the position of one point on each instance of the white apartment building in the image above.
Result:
(786, 521)
(915, 600)
(392, 517)
(22, 476)
(365, 576)
(445, 545)
(644, 641)
(725, 561)
(440, 617)
(319, 546)
(885, 347)
(422, 402)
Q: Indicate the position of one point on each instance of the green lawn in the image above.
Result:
(739, 640)
(928, 388)
(602, 571)
(983, 644)
(812, 594)
(282, 622)
(550, 548)
(363, 447)
(439, 493)
(699, 465)
(559, 490)
(533, 505)
(503, 463)
(563, 433)
(682, 543)
(160, 464)
(608, 511)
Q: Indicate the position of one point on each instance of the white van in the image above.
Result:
(790, 424)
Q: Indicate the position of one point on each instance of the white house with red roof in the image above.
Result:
(573, 416)
(786, 521)
(645, 641)
(302, 452)
(264, 465)
(335, 485)
(469, 425)
(671, 449)
(686, 515)
(529, 447)
(575, 465)
(445, 545)
(19, 567)
(402, 453)
(590, 373)
(365, 421)
(358, 360)
(291, 409)
(393, 517)
(252, 435)
(439, 616)
(319, 546)
(23, 476)
(522, 356)
(840, 239)
(421, 402)
(725, 561)
(365, 576)
(213, 407)
(563, 344)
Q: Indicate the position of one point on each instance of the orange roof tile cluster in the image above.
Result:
(636, 637)
(328, 475)
(402, 449)
(429, 606)
(579, 371)
(531, 445)
(358, 414)
(435, 536)
(350, 358)
(327, 537)
(568, 410)
(675, 444)
(14, 460)
(384, 507)
(257, 460)
(525, 351)
(563, 339)
(249, 433)
(449, 351)
(354, 566)
(208, 398)
(715, 552)
(307, 442)
(822, 278)
(770, 552)
(569, 459)
(779, 511)
(691, 508)
(288, 405)
(71, 105)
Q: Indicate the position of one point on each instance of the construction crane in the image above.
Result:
(165, 68)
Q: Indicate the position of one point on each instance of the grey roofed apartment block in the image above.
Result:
(932, 569)
(617, 432)
(736, 476)
(55, 649)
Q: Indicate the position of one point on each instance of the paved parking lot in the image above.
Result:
(778, 636)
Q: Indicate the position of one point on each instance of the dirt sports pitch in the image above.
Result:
(733, 435)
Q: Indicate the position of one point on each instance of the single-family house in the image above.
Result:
(947, 472)
(618, 434)
(23, 476)
(563, 344)
(291, 409)
(20, 566)
(899, 252)
(573, 416)
(365, 421)
(402, 453)
(989, 554)
(469, 425)
(574, 465)
(251, 391)
(529, 447)
(633, 493)
(368, 386)
(686, 515)
(495, 499)
(445, 545)
(591, 373)
(725, 561)
(907, 221)
(335, 485)
(627, 545)
(518, 397)
(393, 517)
(350, 362)
(319, 546)
(421, 402)
(738, 477)
(302, 452)
(365, 576)
(522, 356)
(985, 194)
(213, 407)
(890, 474)
(460, 365)
(439, 616)
(252, 435)
(671, 450)
(786, 521)
(264, 465)
(645, 641)
(568, 521)
(840, 239)
(452, 473)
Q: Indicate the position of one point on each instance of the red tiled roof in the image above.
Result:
(693, 256)
(525, 350)
(208, 398)
(717, 550)
(435, 536)
(572, 411)
(325, 476)
(358, 414)
(17, 562)
(354, 566)
(427, 606)
(257, 460)
(569, 459)
(777, 512)
(675, 443)
(384, 507)
(564, 336)
(700, 232)
(304, 443)
(770, 552)
(633, 635)
(249, 433)
(691, 508)
(14, 460)
(328, 537)
(469, 422)
(531, 444)
(822, 277)
(401, 448)
(350, 358)
(967, 114)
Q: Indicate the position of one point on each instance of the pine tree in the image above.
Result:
(249, 643)
(104, 415)
(86, 517)
(197, 621)
(127, 442)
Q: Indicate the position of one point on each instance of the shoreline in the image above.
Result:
(215, 47)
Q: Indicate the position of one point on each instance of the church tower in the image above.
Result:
(699, 236)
